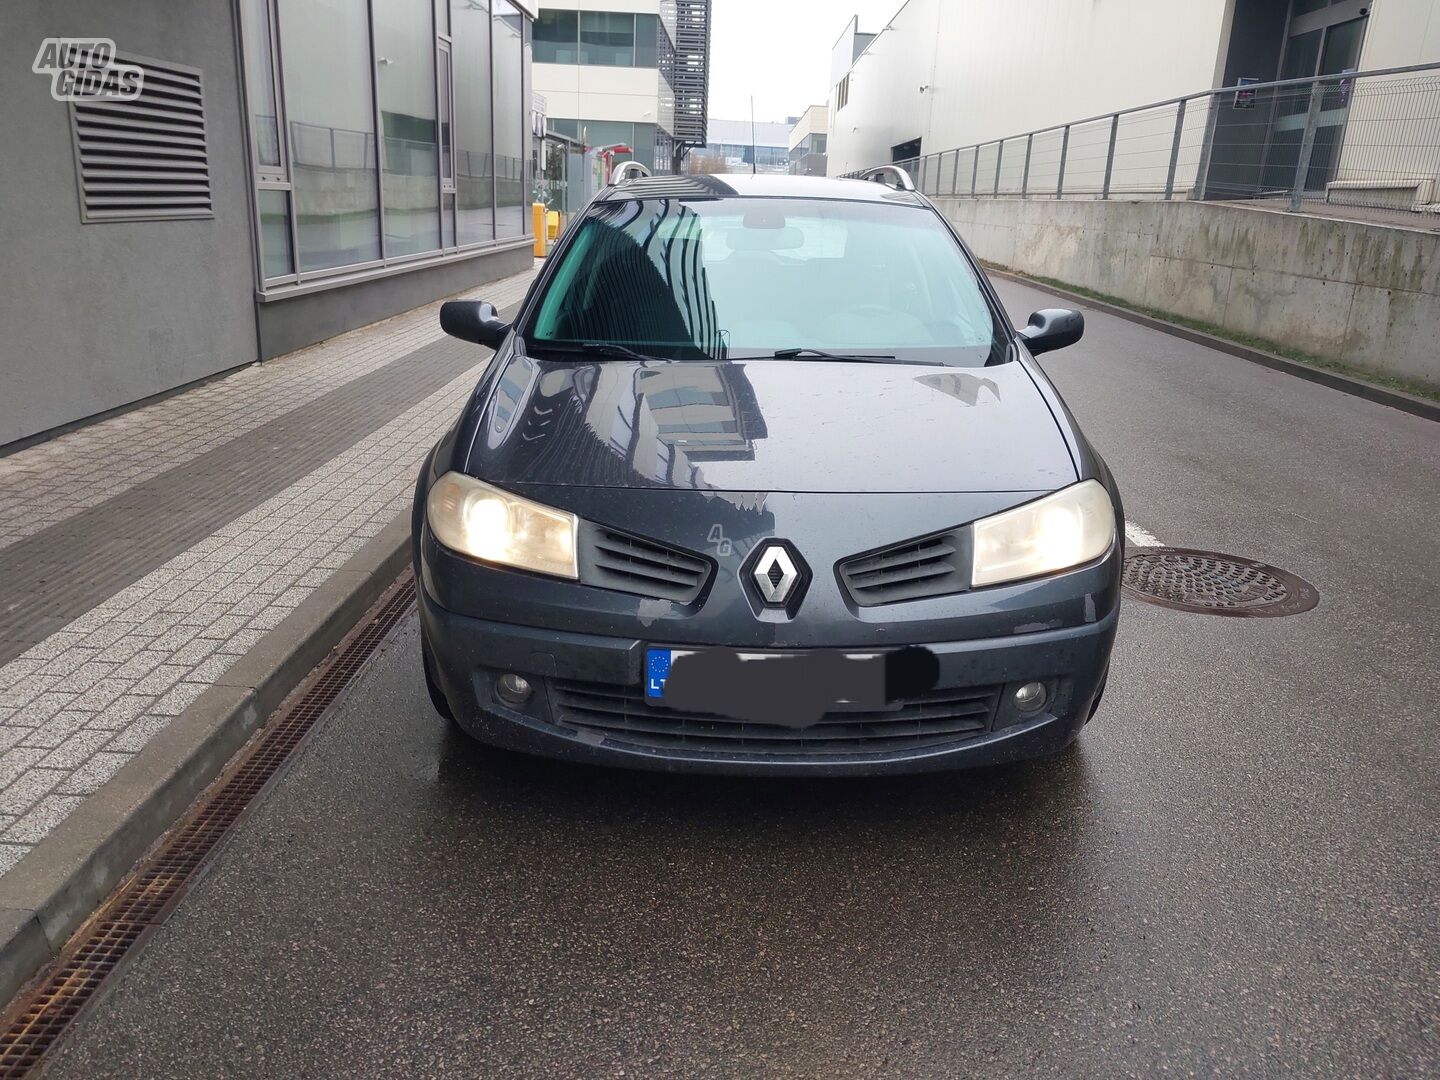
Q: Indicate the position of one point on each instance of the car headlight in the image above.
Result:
(1070, 527)
(476, 519)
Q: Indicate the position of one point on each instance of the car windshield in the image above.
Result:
(746, 277)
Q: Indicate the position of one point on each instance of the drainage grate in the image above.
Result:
(1215, 584)
(40, 1017)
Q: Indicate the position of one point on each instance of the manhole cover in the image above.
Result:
(1215, 584)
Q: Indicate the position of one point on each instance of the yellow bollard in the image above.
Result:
(552, 225)
(537, 224)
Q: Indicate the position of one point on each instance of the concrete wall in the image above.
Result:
(96, 316)
(991, 70)
(1363, 294)
(293, 323)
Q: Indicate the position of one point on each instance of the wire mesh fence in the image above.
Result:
(1356, 139)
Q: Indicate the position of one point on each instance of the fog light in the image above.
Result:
(515, 689)
(1030, 697)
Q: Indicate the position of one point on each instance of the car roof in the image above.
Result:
(744, 185)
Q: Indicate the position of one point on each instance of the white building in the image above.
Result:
(734, 145)
(807, 142)
(953, 73)
(629, 72)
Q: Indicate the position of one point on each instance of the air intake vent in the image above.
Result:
(932, 566)
(145, 159)
(621, 715)
(613, 560)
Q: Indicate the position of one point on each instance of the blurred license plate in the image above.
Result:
(727, 678)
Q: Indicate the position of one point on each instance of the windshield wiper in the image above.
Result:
(609, 348)
(821, 354)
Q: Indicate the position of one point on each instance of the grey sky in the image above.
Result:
(779, 50)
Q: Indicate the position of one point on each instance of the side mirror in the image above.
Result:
(1052, 328)
(473, 320)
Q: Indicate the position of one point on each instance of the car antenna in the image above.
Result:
(752, 134)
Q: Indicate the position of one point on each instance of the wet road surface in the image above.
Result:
(1234, 872)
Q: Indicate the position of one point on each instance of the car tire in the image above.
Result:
(437, 696)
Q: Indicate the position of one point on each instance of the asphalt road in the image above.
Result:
(1235, 874)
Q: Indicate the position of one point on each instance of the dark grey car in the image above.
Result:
(762, 480)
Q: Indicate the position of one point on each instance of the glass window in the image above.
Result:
(556, 37)
(1342, 47)
(609, 133)
(405, 73)
(607, 38)
(744, 277)
(646, 29)
(511, 110)
(474, 175)
(275, 233)
(332, 130)
(1302, 53)
(260, 83)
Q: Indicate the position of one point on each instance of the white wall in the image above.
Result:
(591, 92)
(814, 120)
(1401, 32)
(994, 69)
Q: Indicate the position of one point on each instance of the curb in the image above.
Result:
(1396, 399)
(60, 882)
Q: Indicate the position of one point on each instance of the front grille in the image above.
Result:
(619, 714)
(931, 566)
(614, 560)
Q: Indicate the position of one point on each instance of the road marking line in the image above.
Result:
(1140, 537)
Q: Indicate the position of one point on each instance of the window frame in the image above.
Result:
(580, 35)
(574, 42)
(269, 177)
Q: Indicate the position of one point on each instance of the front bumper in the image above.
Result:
(588, 705)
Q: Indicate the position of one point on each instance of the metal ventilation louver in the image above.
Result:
(614, 560)
(147, 158)
(931, 566)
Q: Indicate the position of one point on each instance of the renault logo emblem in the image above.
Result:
(775, 574)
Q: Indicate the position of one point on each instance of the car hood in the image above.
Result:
(765, 425)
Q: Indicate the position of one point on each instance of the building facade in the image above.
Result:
(953, 73)
(734, 145)
(610, 72)
(289, 169)
(807, 141)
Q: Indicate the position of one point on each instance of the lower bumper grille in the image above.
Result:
(620, 714)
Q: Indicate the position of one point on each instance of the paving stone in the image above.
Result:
(42, 708)
(241, 643)
(77, 748)
(94, 772)
(120, 712)
(177, 699)
(16, 761)
(28, 789)
(68, 661)
(57, 729)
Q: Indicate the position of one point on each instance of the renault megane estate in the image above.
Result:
(761, 479)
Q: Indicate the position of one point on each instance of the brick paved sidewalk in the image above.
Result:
(142, 556)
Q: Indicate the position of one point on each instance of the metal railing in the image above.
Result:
(1357, 139)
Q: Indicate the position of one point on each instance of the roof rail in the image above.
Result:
(902, 178)
(628, 170)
